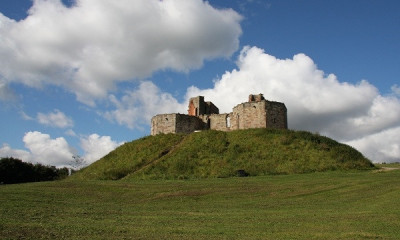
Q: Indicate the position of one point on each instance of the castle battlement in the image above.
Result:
(256, 113)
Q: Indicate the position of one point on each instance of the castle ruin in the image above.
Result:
(256, 113)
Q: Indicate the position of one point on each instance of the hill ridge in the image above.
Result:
(221, 154)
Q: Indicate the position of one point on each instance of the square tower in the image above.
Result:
(198, 107)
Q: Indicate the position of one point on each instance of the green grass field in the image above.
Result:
(329, 205)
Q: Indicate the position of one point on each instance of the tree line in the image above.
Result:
(13, 170)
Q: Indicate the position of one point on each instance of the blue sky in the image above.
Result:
(82, 77)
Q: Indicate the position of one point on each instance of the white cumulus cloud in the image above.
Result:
(94, 44)
(55, 119)
(137, 106)
(48, 151)
(95, 147)
(7, 151)
(41, 148)
(383, 146)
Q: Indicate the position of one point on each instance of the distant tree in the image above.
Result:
(78, 162)
(63, 173)
(16, 171)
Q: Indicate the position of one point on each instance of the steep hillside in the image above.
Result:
(222, 154)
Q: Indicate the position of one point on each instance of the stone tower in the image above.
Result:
(198, 107)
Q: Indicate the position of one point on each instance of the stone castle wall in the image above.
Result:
(257, 113)
(220, 122)
(276, 115)
(163, 123)
(249, 115)
(198, 107)
(187, 124)
(175, 123)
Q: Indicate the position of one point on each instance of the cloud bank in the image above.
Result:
(383, 146)
(95, 147)
(41, 148)
(137, 106)
(93, 45)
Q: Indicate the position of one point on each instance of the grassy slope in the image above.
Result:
(130, 157)
(330, 205)
(221, 154)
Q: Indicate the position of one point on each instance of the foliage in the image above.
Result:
(222, 154)
(78, 162)
(16, 171)
(329, 205)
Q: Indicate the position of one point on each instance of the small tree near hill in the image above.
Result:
(78, 162)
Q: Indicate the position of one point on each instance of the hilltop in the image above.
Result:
(212, 153)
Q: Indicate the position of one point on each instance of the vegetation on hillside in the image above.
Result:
(222, 154)
(16, 171)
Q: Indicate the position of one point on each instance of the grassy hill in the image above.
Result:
(221, 154)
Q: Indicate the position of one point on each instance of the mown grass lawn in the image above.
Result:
(331, 205)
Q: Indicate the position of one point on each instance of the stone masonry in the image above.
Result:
(256, 113)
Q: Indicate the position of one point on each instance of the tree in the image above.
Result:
(78, 162)
(16, 171)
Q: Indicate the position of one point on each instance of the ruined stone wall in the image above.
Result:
(175, 123)
(163, 123)
(257, 113)
(192, 111)
(249, 115)
(276, 115)
(211, 108)
(262, 114)
(256, 97)
(188, 124)
(221, 122)
(196, 106)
